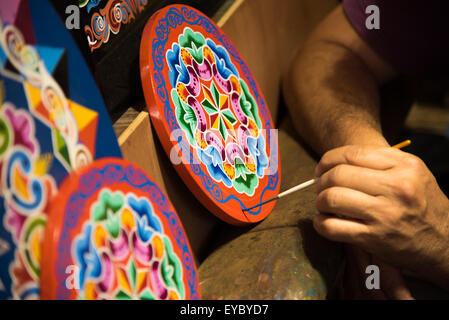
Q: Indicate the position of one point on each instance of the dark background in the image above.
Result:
(115, 64)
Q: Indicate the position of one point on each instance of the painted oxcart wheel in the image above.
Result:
(209, 114)
(113, 234)
(51, 117)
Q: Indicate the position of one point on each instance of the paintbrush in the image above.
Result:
(306, 184)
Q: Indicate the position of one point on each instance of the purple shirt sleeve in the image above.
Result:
(413, 35)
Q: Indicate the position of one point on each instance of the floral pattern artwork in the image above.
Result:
(46, 99)
(44, 134)
(123, 253)
(27, 189)
(26, 184)
(209, 114)
(217, 112)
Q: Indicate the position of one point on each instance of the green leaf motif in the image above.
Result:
(190, 116)
(192, 41)
(172, 269)
(249, 105)
(186, 119)
(246, 106)
(113, 224)
(246, 185)
(240, 169)
(196, 53)
(108, 202)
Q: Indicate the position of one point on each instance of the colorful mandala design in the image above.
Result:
(217, 112)
(26, 185)
(209, 114)
(27, 189)
(123, 252)
(113, 234)
(46, 98)
(44, 134)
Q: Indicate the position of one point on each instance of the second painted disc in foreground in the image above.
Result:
(113, 234)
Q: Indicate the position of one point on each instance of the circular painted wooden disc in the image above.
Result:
(52, 121)
(209, 114)
(113, 234)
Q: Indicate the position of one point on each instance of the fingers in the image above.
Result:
(369, 181)
(355, 275)
(348, 203)
(378, 158)
(391, 281)
(392, 285)
(339, 229)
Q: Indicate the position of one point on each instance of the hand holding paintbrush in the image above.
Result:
(311, 182)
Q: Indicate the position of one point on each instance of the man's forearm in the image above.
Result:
(333, 97)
